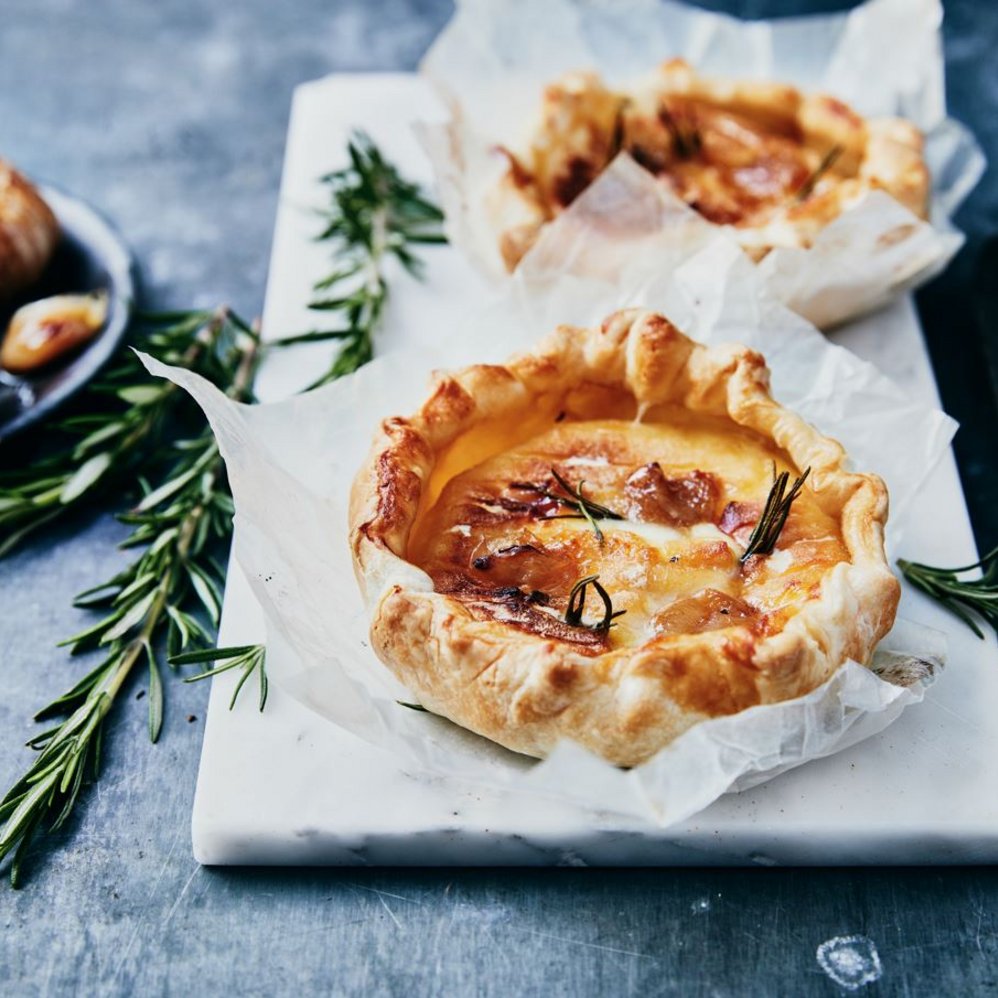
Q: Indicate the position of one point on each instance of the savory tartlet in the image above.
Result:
(771, 164)
(631, 454)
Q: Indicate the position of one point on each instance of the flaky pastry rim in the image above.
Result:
(527, 692)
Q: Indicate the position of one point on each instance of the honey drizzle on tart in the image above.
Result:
(689, 490)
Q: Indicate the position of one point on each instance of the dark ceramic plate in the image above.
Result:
(90, 257)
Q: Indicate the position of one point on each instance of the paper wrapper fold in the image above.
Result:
(493, 60)
(291, 464)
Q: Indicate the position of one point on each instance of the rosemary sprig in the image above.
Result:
(577, 603)
(127, 410)
(154, 598)
(827, 162)
(774, 515)
(686, 139)
(574, 498)
(374, 214)
(136, 433)
(69, 756)
(585, 509)
(962, 597)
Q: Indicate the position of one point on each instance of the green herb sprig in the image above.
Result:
(686, 139)
(146, 438)
(962, 597)
(126, 411)
(774, 514)
(151, 601)
(574, 498)
(248, 659)
(374, 215)
(577, 603)
(827, 162)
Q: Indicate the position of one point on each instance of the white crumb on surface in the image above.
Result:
(852, 962)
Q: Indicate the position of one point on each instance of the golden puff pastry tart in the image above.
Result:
(773, 165)
(599, 541)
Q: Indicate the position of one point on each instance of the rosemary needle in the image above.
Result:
(827, 162)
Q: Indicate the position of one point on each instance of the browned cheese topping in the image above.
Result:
(507, 539)
(736, 163)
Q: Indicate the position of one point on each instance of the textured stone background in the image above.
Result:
(171, 116)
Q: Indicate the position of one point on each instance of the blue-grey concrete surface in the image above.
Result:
(171, 116)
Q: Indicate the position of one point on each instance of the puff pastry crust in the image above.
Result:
(772, 164)
(467, 565)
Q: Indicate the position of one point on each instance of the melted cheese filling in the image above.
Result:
(737, 173)
(732, 168)
(688, 489)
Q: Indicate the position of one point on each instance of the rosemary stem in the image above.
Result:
(241, 383)
(375, 214)
(379, 242)
(114, 682)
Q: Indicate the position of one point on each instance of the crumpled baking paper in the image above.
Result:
(884, 57)
(291, 463)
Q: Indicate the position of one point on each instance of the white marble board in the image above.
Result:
(287, 787)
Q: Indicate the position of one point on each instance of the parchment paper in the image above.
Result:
(883, 58)
(291, 463)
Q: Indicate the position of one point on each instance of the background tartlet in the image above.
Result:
(771, 164)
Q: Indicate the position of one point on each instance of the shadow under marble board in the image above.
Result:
(287, 787)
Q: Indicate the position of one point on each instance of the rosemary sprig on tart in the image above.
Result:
(577, 603)
(575, 499)
(686, 139)
(962, 597)
(774, 515)
(827, 162)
